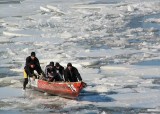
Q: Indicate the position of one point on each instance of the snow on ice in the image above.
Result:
(114, 44)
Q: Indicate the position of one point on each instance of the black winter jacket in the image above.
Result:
(73, 75)
(35, 61)
(30, 71)
(49, 70)
(60, 70)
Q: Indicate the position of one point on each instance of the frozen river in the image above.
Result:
(115, 44)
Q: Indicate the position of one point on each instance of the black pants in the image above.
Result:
(25, 82)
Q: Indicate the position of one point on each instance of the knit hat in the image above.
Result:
(51, 63)
(69, 64)
(33, 54)
(57, 64)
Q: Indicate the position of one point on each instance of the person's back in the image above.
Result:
(71, 74)
(59, 72)
(47, 70)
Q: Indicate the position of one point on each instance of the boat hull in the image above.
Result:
(63, 89)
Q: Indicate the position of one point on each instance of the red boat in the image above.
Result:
(64, 89)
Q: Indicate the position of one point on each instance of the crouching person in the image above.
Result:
(71, 74)
(50, 72)
(59, 72)
(29, 72)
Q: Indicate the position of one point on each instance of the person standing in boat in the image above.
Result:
(32, 58)
(71, 74)
(50, 71)
(59, 72)
(29, 72)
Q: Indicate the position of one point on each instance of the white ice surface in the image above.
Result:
(119, 63)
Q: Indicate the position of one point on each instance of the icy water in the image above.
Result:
(147, 22)
(115, 44)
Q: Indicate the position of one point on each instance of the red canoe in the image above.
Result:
(63, 89)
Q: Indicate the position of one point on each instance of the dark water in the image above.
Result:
(5, 72)
(139, 21)
(151, 24)
(10, 1)
(155, 62)
(10, 112)
(10, 92)
(105, 2)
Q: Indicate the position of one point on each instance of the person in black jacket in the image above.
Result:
(29, 72)
(50, 72)
(71, 74)
(32, 58)
(59, 72)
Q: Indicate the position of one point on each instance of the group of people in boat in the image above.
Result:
(53, 72)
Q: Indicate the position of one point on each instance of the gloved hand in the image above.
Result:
(41, 76)
(34, 77)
